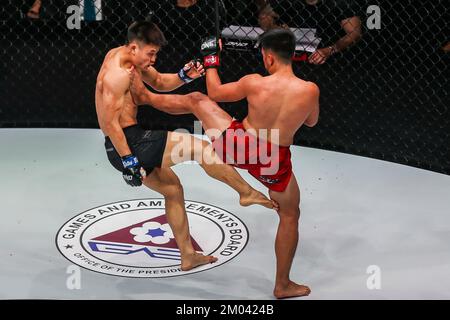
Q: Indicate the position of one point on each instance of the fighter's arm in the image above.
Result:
(162, 82)
(165, 82)
(229, 92)
(114, 88)
(310, 100)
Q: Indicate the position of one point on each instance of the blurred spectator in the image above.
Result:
(91, 10)
(446, 47)
(33, 12)
(336, 22)
(186, 3)
(267, 17)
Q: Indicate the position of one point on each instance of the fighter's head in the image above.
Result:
(145, 39)
(278, 47)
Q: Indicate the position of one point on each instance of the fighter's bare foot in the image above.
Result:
(291, 290)
(194, 260)
(256, 197)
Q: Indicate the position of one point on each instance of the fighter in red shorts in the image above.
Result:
(268, 162)
(278, 105)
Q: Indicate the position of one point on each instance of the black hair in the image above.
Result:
(279, 41)
(146, 32)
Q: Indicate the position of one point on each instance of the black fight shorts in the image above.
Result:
(147, 145)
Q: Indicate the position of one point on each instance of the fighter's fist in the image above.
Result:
(132, 172)
(210, 45)
(210, 49)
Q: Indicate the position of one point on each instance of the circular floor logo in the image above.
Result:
(133, 239)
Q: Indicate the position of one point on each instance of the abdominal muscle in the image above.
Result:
(128, 116)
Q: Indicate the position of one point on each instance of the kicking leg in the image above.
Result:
(182, 147)
(165, 181)
(286, 240)
(206, 110)
(210, 114)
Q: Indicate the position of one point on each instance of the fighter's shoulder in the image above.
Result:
(116, 78)
(110, 52)
(309, 88)
(117, 74)
(109, 56)
(250, 79)
(252, 76)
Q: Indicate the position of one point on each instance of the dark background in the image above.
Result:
(386, 97)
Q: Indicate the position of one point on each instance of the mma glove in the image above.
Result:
(184, 72)
(132, 172)
(210, 51)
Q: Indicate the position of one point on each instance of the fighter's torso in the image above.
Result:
(273, 103)
(112, 64)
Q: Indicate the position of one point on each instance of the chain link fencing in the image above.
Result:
(382, 66)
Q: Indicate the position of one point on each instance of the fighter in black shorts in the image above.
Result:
(145, 157)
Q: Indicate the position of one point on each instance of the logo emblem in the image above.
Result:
(133, 238)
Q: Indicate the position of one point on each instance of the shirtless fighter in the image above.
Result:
(279, 103)
(145, 157)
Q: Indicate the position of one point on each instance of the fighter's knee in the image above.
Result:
(173, 190)
(291, 214)
(197, 96)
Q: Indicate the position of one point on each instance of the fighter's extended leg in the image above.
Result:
(286, 240)
(165, 181)
(206, 110)
(182, 147)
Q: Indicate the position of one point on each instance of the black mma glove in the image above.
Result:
(210, 51)
(132, 172)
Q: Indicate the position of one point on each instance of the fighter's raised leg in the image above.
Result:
(181, 147)
(214, 119)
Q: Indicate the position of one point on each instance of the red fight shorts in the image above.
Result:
(267, 162)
